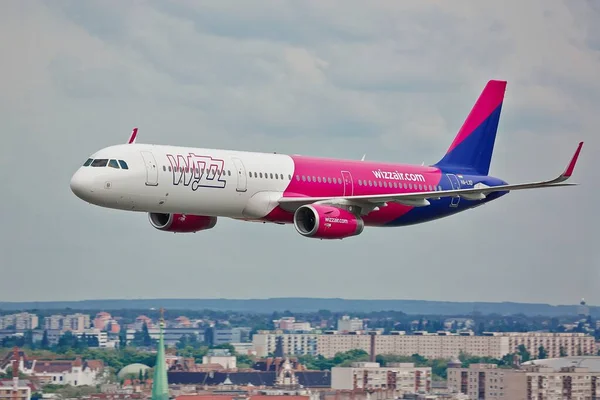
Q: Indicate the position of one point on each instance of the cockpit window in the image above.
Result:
(99, 162)
(88, 162)
(113, 164)
(123, 164)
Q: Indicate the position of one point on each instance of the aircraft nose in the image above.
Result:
(81, 184)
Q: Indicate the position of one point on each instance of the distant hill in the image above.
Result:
(308, 305)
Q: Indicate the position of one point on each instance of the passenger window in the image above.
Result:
(297, 177)
(303, 178)
(271, 175)
(319, 179)
(276, 176)
(260, 174)
(88, 162)
(329, 180)
(123, 164)
(250, 174)
(164, 168)
(281, 175)
(100, 162)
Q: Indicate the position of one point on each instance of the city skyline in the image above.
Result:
(308, 305)
(302, 79)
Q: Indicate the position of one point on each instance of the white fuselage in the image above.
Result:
(171, 179)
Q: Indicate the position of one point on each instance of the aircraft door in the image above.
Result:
(241, 174)
(455, 186)
(348, 184)
(151, 168)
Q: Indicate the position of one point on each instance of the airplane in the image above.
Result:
(186, 189)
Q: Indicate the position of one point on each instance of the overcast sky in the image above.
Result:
(392, 79)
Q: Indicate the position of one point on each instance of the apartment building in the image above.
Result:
(531, 382)
(430, 345)
(231, 335)
(347, 324)
(293, 343)
(21, 321)
(401, 377)
(570, 344)
(290, 324)
(100, 336)
(75, 322)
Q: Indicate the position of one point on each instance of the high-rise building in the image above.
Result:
(75, 322)
(22, 321)
(53, 322)
(231, 335)
(347, 324)
(101, 321)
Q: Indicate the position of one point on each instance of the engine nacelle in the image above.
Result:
(327, 222)
(181, 223)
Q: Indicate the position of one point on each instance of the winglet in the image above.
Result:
(132, 136)
(569, 171)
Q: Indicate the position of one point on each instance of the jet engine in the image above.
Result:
(181, 223)
(327, 222)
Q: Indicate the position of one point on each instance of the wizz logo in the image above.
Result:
(197, 171)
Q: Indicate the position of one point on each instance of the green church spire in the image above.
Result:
(160, 386)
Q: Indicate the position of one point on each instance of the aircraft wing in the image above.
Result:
(421, 199)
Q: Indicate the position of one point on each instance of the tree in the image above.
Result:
(225, 346)
(209, 336)
(122, 338)
(28, 338)
(45, 341)
(507, 360)
(563, 351)
(542, 353)
(525, 355)
(480, 328)
(146, 336)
